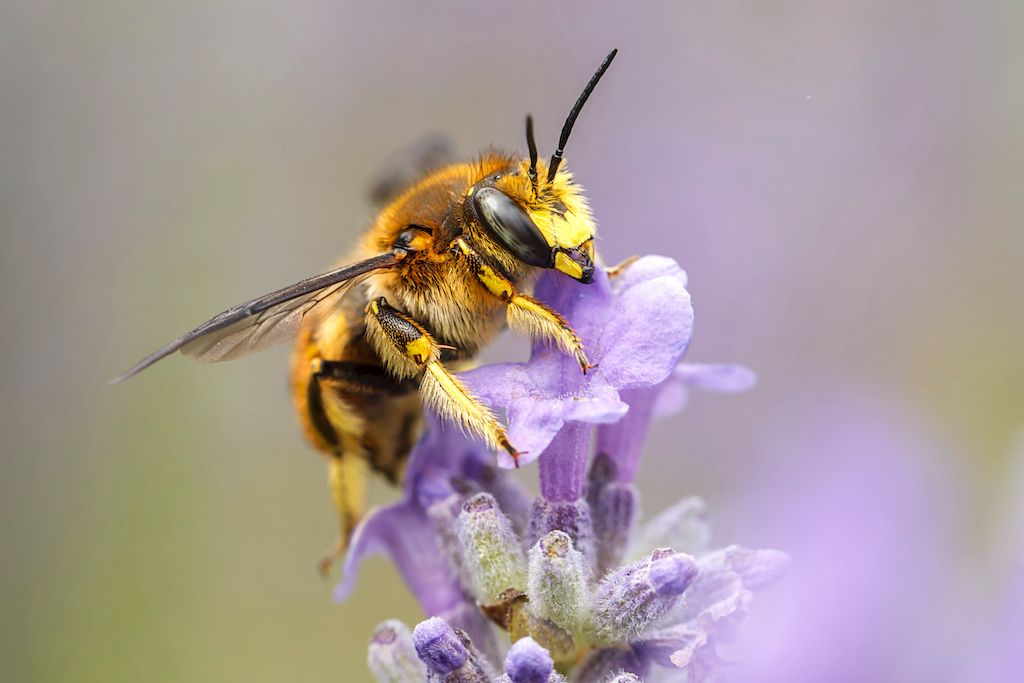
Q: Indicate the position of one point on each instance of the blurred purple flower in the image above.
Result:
(874, 517)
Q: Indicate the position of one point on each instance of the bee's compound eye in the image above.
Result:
(508, 222)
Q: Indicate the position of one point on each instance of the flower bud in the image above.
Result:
(492, 555)
(623, 677)
(445, 516)
(466, 617)
(392, 656)
(528, 662)
(757, 568)
(438, 646)
(557, 580)
(448, 654)
(614, 511)
(683, 526)
(610, 663)
(632, 598)
(511, 496)
(571, 517)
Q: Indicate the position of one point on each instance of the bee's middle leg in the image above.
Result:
(407, 350)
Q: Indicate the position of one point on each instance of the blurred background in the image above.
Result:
(842, 181)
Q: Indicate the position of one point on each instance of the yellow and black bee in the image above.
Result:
(450, 260)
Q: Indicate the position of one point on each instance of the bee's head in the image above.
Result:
(553, 232)
(543, 222)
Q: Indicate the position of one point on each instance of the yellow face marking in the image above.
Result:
(566, 265)
(569, 232)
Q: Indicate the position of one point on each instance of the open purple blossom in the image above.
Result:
(635, 325)
(482, 559)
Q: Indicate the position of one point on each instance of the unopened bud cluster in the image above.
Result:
(563, 609)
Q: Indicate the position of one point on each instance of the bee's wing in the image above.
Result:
(270, 319)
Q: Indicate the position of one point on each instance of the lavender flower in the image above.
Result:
(470, 543)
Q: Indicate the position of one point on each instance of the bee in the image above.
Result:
(450, 260)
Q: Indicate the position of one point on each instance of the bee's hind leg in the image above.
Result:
(407, 350)
(346, 468)
(346, 477)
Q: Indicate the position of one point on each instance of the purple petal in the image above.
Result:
(599, 405)
(648, 327)
(402, 532)
(721, 377)
(532, 424)
(718, 377)
(584, 306)
(499, 385)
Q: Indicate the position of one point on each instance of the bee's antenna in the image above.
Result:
(531, 142)
(556, 158)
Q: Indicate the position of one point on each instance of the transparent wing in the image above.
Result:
(268, 320)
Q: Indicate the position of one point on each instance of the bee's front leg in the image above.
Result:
(525, 314)
(407, 350)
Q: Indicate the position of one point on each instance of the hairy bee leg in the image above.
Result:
(346, 468)
(346, 476)
(407, 350)
(529, 316)
(525, 314)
